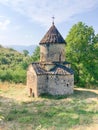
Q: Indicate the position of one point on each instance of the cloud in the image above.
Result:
(4, 23)
(42, 11)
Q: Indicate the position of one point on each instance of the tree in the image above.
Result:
(25, 52)
(36, 54)
(81, 51)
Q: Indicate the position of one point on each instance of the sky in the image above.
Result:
(25, 22)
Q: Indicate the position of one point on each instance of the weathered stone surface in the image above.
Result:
(32, 82)
(60, 84)
(52, 52)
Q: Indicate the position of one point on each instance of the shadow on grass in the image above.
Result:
(80, 94)
(84, 94)
(55, 97)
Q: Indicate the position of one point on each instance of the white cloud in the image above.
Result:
(41, 11)
(4, 23)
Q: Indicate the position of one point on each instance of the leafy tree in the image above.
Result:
(81, 51)
(36, 54)
(24, 64)
(25, 52)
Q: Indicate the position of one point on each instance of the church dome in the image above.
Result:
(52, 36)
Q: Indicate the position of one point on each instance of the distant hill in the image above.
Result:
(20, 48)
(13, 65)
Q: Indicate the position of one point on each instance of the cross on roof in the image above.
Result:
(53, 20)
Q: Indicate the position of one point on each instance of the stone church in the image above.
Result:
(52, 74)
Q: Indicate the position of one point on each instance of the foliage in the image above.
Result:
(25, 52)
(36, 54)
(13, 65)
(82, 52)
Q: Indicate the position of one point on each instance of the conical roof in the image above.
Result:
(52, 36)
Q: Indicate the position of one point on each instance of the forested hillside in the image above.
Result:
(13, 65)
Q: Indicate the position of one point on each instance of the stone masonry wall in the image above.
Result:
(52, 52)
(52, 84)
(55, 84)
(32, 81)
(42, 84)
(60, 84)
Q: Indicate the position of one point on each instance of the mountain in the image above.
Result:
(20, 48)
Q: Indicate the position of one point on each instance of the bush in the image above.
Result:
(18, 76)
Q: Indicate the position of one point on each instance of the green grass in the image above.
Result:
(59, 116)
(49, 112)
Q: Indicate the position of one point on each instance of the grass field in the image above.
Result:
(20, 112)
